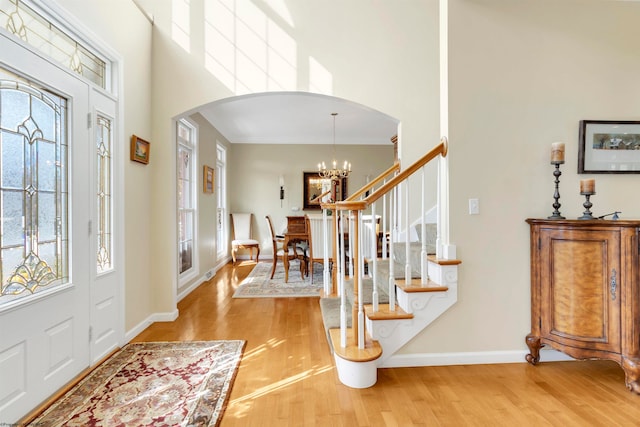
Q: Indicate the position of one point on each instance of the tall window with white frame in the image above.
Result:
(221, 191)
(187, 254)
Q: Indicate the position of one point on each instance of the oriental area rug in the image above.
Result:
(152, 384)
(259, 285)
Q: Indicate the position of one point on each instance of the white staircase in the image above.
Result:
(370, 334)
(424, 304)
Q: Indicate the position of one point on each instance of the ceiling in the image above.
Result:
(298, 118)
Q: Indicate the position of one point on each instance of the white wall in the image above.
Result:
(522, 75)
(254, 171)
(120, 25)
(383, 57)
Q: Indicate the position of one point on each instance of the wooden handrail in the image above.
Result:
(440, 149)
(320, 196)
(376, 181)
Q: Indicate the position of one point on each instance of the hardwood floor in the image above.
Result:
(287, 376)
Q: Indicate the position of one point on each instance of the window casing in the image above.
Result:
(186, 192)
(221, 194)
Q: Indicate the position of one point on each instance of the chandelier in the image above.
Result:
(334, 173)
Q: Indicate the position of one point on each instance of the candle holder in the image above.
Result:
(556, 195)
(587, 205)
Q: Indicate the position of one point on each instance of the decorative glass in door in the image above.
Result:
(104, 197)
(33, 189)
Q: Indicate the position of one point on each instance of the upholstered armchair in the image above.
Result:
(241, 230)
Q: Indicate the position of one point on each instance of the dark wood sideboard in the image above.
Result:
(585, 291)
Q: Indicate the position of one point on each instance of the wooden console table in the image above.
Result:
(585, 291)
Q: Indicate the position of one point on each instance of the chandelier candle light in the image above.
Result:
(334, 173)
(557, 158)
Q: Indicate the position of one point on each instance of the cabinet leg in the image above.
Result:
(533, 342)
(631, 369)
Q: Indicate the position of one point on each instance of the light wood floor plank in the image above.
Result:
(287, 376)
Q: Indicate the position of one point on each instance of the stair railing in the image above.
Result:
(351, 211)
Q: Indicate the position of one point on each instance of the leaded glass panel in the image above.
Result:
(30, 26)
(104, 178)
(33, 189)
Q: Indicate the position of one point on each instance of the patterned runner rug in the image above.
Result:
(152, 384)
(259, 285)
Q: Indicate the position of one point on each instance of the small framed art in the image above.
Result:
(140, 150)
(208, 179)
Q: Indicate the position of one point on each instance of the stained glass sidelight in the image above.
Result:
(33, 189)
(103, 178)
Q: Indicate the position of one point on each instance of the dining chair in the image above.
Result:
(314, 252)
(241, 229)
(279, 250)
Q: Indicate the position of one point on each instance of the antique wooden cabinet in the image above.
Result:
(585, 298)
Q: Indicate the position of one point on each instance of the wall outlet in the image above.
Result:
(474, 207)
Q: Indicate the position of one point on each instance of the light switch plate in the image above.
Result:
(474, 207)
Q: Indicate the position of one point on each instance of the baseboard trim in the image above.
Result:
(471, 358)
(155, 317)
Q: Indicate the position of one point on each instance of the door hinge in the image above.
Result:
(90, 333)
(90, 226)
(88, 120)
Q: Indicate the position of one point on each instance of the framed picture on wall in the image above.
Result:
(317, 190)
(608, 146)
(207, 180)
(140, 150)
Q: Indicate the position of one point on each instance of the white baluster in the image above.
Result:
(407, 235)
(394, 236)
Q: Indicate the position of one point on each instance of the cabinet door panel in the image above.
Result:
(581, 311)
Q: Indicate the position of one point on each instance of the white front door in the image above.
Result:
(45, 249)
(106, 266)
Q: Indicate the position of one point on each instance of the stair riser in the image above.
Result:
(427, 307)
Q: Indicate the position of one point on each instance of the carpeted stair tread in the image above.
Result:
(367, 291)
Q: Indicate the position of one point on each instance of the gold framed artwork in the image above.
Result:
(140, 150)
(208, 179)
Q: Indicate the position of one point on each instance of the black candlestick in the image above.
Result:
(556, 194)
(587, 205)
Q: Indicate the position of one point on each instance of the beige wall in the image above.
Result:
(369, 61)
(120, 25)
(522, 74)
(254, 172)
